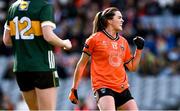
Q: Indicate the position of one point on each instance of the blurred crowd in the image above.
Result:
(157, 21)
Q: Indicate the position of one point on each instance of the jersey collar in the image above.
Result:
(110, 36)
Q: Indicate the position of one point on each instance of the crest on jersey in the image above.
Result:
(23, 6)
(114, 45)
(122, 47)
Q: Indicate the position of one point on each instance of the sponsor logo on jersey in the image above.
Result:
(104, 43)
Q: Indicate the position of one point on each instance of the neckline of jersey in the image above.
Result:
(110, 36)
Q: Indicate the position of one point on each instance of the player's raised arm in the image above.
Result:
(133, 64)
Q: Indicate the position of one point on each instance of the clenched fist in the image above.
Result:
(67, 44)
(73, 97)
(139, 41)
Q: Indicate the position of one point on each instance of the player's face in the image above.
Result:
(117, 21)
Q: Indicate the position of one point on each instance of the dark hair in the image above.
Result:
(100, 20)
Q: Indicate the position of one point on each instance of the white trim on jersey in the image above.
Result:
(48, 23)
(51, 59)
(55, 74)
(6, 26)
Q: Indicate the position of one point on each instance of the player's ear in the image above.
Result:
(109, 21)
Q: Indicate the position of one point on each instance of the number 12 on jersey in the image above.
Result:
(21, 33)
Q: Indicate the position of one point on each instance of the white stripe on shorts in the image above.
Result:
(51, 59)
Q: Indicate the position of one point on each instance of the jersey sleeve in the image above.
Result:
(128, 55)
(47, 16)
(6, 25)
(89, 45)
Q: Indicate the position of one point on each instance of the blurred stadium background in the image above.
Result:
(156, 84)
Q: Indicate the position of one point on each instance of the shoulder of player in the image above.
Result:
(41, 3)
(122, 38)
(96, 35)
(93, 37)
(16, 3)
(13, 6)
(46, 3)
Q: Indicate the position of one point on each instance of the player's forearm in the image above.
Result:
(51, 37)
(135, 61)
(81, 65)
(7, 38)
(78, 75)
(54, 40)
(7, 42)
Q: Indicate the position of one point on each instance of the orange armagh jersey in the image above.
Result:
(107, 61)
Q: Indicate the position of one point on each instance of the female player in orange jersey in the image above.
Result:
(110, 54)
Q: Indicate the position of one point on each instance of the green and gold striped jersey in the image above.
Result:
(25, 21)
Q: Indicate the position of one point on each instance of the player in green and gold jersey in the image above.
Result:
(29, 30)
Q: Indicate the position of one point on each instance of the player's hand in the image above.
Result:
(139, 41)
(67, 44)
(73, 97)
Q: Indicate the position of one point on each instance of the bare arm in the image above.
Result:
(79, 69)
(53, 39)
(7, 37)
(133, 64)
